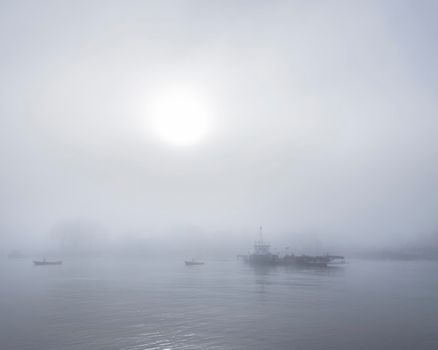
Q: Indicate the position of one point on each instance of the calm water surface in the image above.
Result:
(139, 304)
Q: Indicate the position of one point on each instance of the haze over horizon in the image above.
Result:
(313, 119)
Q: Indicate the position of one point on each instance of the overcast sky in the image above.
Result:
(322, 117)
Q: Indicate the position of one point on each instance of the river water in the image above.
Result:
(142, 304)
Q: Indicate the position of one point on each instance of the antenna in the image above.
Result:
(260, 247)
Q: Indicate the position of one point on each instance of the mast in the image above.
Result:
(260, 247)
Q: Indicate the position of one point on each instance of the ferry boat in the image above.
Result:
(263, 256)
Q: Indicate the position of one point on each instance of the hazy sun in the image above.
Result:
(179, 115)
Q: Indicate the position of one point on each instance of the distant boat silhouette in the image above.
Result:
(47, 262)
(193, 262)
(263, 256)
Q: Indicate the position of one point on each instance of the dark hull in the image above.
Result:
(43, 263)
(265, 259)
(192, 263)
(291, 260)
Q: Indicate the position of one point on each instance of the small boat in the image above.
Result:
(193, 262)
(46, 262)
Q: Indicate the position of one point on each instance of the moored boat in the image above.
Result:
(263, 256)
(193, 262)
(47, 262)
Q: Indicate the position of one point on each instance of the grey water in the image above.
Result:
(141, 304)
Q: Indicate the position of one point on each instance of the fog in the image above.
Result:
(321, 125)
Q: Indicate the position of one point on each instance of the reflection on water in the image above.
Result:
(103, 304)
(292, 276)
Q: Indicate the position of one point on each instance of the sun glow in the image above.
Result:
(179, 115)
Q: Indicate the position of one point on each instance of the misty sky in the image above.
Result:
(323, 116)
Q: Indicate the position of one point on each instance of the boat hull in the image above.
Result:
(192, 263)
(291, 260)
(44, 263)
